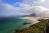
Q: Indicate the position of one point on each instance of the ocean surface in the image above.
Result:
(11, 24)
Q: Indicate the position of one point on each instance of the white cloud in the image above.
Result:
(9, 10)
(41, 11)
(46, 4)
(22, 9)
(33, 2)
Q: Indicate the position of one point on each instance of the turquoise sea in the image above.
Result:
(9, 25)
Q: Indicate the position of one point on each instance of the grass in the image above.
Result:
(36, 28)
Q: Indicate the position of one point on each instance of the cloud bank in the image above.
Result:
(22, 8)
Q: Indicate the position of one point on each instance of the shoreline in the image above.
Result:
(36, 28)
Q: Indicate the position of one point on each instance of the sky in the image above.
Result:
(23, 7)
(11, 1)
(46, 3)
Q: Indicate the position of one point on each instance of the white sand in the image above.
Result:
(34, 19)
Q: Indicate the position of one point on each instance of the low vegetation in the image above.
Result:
(36, 28)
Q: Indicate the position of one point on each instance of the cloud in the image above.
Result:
(10, 10)
(33, 2)
(22, 9)
(46, 3)
(41, 11)
(38, 10)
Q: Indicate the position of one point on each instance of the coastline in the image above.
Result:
(36, 28)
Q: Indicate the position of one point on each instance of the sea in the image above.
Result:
(11, 24)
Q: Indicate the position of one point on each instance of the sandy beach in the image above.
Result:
(34, 19)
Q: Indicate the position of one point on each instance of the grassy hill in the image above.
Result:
(36, 28)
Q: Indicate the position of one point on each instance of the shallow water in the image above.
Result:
(9, 25)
